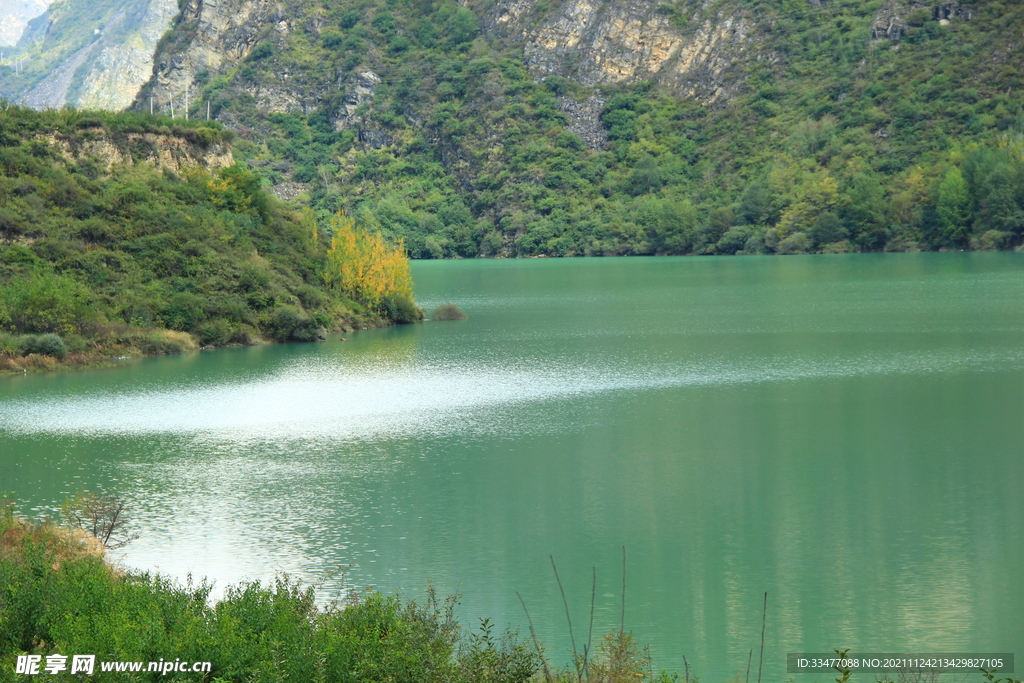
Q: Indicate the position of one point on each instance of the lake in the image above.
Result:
(842, 432)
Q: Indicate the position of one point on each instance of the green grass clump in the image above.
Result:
(448, 312)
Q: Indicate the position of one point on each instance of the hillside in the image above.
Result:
(126, 235)
(588, 127)
(15, 15)
(92, 54)
(577, 127)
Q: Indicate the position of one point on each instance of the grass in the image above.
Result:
(59, 595)
(448, 312)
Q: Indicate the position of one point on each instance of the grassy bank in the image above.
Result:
(120, 235)
(59, 596)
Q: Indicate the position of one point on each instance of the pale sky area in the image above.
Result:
(15, 14)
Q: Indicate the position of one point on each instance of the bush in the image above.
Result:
(991, 240)
(797, 243)
(485, 658)
(44, 345)
(401, 309)
(843, 247)
(289, 324)
(244, 335)
(165, 342)
(214, 333)
(183, 311)
(8, 344)
(448, 312)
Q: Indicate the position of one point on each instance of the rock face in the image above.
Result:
(120, 69)
(891, 21)
(107, 72)
(605, 42)
(359, 91)
(214, 35)
(585, 119)
(15, 15)
(163, 151)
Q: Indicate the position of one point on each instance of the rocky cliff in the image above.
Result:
(696, 52)
(88, 56)
(211, 37)
(693, 51)
(175, 152)
(15, 15)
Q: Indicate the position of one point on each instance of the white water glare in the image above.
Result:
(306, 400)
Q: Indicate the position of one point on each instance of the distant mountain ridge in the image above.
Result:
(89, 55)
(14, 17)
(572, 127)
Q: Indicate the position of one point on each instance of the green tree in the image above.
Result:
(866, 212)
(677, 224)
(954, 207)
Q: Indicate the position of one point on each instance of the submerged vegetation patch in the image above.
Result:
(448, 312)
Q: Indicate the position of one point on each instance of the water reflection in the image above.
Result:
(785, 427)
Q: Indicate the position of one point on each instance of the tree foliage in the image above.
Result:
(363, 265)
(139, 259)
(841, 143)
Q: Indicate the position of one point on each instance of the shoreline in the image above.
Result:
(33, 363)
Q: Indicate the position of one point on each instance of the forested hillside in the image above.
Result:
(821, 127)
(116, 238)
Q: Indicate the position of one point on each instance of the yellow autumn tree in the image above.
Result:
(364, 266)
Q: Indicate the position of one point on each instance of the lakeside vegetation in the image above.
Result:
(843, 142)
(59, 595)
(104, 254)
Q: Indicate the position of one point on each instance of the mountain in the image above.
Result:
(587, 127)
(14, 17)
(90, 55)
(126, 234)
(568, 127)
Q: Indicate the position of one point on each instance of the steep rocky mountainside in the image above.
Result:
(14, 17)
(90, 55)
(522, 127)
(602, 42)
(519, 127)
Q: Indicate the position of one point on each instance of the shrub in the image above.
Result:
(47, 302)
(49, 344)
(797, 243)
(8, 344)
(991, 240)
(448, 312)
(25, 344)
(214, 333)
(349, 19)
(165, 342)
(485, 658)
(310, 297)
(843, 247)
(289, 324)
(183, 311)
(244, 335)
(401, 309)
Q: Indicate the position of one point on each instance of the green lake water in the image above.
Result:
(843, 432)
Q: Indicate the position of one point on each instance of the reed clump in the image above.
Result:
(448, 312)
